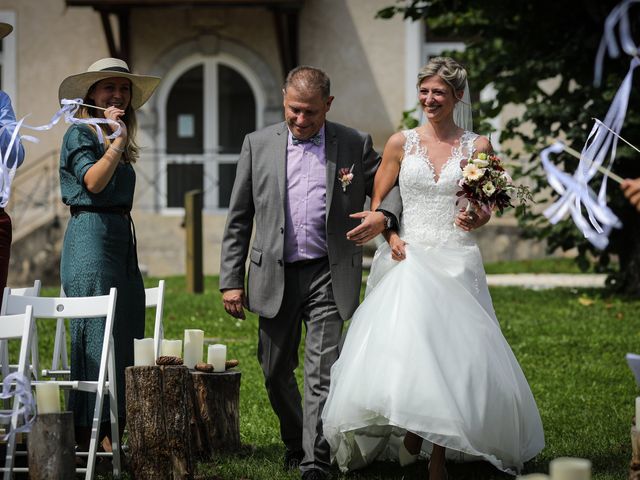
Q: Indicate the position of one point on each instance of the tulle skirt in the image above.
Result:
(424, 353)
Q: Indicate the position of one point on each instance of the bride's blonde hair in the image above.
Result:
(446, 68)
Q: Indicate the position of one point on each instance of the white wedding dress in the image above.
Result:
(424, 352)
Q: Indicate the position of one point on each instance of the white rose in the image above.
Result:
(489, 189)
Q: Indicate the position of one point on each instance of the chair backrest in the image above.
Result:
(154, 297)
(33, 291)
(17, 326)
(63, 307)
(4, 351)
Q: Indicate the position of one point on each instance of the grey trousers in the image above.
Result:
(308, 299)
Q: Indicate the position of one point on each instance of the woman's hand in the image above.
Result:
(472, 219)
(116, 114)
(398, 251)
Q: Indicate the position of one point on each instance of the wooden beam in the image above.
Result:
(108, 33)
(287, 33)
(123, 48)
(108, 4)
(125, 36)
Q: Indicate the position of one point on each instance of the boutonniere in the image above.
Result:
(345, 175)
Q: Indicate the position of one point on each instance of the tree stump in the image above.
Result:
(158, 418)
(51, 448)
(634, 467)
(215, 421)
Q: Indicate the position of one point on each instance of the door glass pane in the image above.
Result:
(226, 176)
(184, 113)
(182, 177)
(237, 109)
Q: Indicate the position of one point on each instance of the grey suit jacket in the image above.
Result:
(259, 194)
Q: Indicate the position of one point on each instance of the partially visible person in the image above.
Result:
(631, 189)
(97, 182)
(9, 163)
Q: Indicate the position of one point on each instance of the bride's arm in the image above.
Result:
(471, 220)
(384, 181)
(388, 170)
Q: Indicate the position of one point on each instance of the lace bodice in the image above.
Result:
(429, 206)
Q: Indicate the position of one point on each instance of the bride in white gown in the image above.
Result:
(425, 365)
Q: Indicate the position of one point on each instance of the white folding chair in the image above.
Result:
(4, 351)
(154, 298)
(85, 307)
(13, 327)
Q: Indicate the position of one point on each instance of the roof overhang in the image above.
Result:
(285, 21)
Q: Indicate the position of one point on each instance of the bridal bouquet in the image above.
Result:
(485, 183)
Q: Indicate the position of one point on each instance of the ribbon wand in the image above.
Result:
(66, 101)
(601, 169)
(625, 141)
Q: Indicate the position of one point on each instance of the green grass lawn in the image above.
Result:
(570, 343)
(540, 265)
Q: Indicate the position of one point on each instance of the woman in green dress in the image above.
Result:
(97, 181)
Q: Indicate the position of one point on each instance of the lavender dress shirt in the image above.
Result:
(306, 202)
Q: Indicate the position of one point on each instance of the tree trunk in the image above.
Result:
(158, 422)
(216, 424)
(51, 447)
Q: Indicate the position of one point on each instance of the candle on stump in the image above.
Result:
(568, 468)
(217, 356)
(637, 411)
(193, 345)
(171, 348)
(48, 398)
(143, 352)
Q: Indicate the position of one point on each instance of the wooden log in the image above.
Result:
(158, 418)
(216, 401)
(51, 447)
(634, 466)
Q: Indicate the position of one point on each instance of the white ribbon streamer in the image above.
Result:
(602, 140)
(618, 16)
(574, 193)
(21, 390)
(68, 111)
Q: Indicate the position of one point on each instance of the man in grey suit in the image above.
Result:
(304, 182)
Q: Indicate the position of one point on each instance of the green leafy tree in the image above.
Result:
(516, 45)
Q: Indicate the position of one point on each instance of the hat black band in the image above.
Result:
(115, 69)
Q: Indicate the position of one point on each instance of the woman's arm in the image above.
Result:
(100, 173)
(388, 170)
(473, 219)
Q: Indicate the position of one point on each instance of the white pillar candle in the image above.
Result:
(171, 348)
(143, 352)
(48, 398)
(217, 356)
(193, 345)
(637, 412)
(567, 468)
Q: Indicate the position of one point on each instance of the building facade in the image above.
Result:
(222, 64)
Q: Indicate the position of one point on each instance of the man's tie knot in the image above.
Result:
(315, 139)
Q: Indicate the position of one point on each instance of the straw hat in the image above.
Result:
(77, 86)
(5, 29)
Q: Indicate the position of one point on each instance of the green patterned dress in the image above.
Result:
(98, 253)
